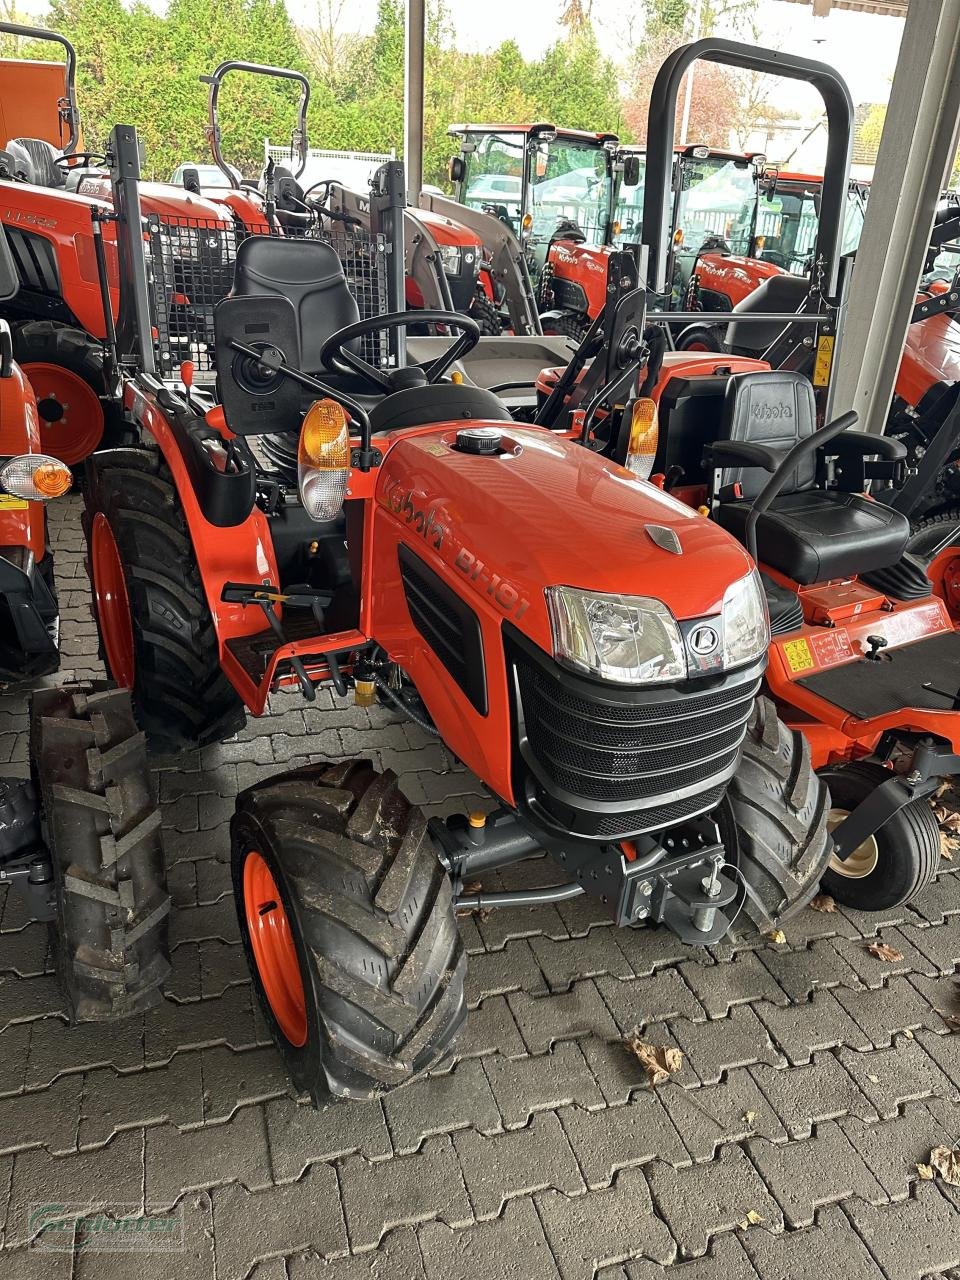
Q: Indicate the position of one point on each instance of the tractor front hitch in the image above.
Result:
(679, 881)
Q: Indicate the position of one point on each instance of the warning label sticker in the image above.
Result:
(798, 655)
(821, 369)
(10, 503)
(832, 647)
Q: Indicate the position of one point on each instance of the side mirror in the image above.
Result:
(191, 180)
(9, 279)
(456, 169)
(631, 171)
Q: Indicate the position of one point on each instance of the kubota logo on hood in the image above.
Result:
(424, 522)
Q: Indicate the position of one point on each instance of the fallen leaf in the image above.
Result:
(946, 848)
(751, 1220)
(946, 1161)
(823, 902)
(658, 1060)
(468, 890)
(749, 1117)
(925, 1172)
(884, 952)
(951, 1019)
(777, 936)
(874, 1079)
(908, 1033)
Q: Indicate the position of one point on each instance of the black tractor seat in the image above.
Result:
(776, 293)
(809, 534)
(43, 155)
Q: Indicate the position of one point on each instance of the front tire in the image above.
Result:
(486, 315)
(699, 337)
(346, 916)
(779, 807)
(894, 864)
(574, 327)
(101, 823)
(65, 368)
(156, 632)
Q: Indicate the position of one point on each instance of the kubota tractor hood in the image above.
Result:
(545, 511)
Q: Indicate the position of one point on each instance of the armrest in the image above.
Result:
(852, 444)
(744, 453)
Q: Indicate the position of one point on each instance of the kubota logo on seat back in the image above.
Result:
(772, 412)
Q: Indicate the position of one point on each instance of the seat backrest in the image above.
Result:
(777, 293)
(691, 417)
(773, 407)
(308, 273)
(43, 156)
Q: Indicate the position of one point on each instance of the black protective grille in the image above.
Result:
(35, 259)
(190, 269)
(632, 750)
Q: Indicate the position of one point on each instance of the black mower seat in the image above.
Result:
(809, 534)
(307, 272)
(442, 402)
(43, 157)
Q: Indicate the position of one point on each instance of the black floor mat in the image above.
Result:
(925, 675)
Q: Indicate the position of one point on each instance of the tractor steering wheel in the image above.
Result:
(336, 356)
(83, 156)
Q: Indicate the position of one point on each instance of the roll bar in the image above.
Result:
(68, 110)
(298, 139)
(660, 127)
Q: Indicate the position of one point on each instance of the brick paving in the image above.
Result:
(814, 1077)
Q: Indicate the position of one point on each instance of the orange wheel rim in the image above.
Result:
(273, 949)
(70, 412)
(113, 605)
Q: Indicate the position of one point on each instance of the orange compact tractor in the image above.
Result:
(554, 189)
(80, 839)
(864, 658)
(60, 228)
(389, 531)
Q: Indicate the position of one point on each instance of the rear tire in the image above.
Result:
(65, 368)
(359, 968)
(780, 807)
(930, 531)
(102, 828)
(167, 652)
(486, 315)
(896, 862)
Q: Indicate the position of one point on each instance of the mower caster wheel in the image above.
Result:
(896, 862)
(347, 920)
(779, 808)
(101, 825)
(156, 631)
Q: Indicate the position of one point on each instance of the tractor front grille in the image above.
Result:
(638, 759)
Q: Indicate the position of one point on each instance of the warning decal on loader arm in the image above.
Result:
(821, 370)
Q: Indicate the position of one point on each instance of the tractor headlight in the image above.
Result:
(35, 477)
(746, 628)
(451, 258)
(629, 639)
